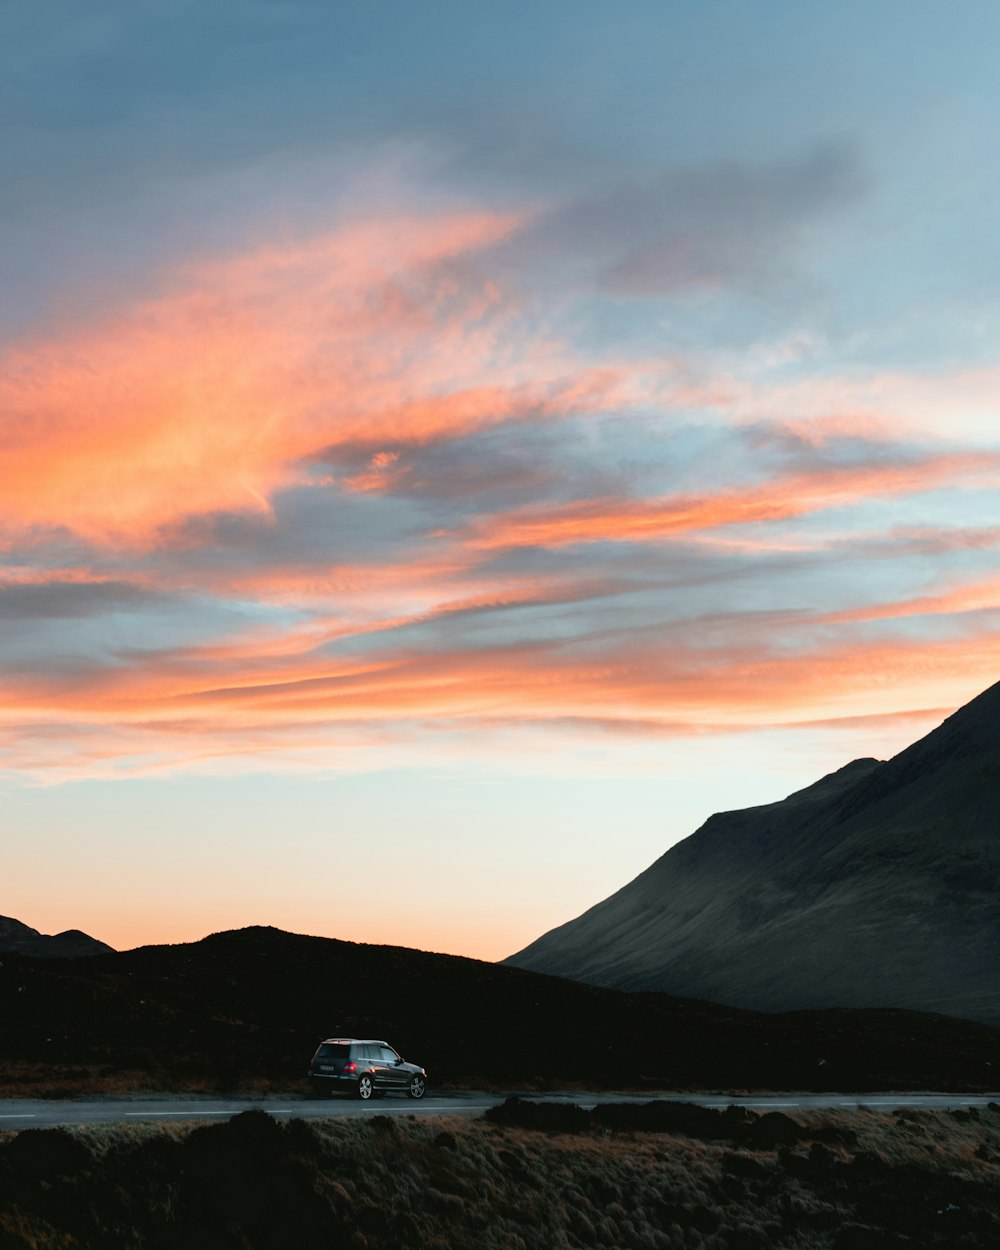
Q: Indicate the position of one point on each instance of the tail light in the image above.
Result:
(350, 1067)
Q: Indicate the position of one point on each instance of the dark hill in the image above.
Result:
(245, 1009)
(879, 886)
(70, 944)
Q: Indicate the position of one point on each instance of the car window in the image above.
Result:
(369, 1052)
(388, 1055)
(333, 1050)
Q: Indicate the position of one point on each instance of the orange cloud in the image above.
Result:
(25, 575)
(209, 397)
(249, 376)
(976, 597)
(793, 495)
(296, 698)
(379, 475)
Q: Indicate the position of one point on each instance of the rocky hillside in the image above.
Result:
(879, 886)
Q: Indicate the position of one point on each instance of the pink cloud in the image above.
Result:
(975, 597)
(209, 397)
(788, 496)
(287, 694)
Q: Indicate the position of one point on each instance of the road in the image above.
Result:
(23, 1113)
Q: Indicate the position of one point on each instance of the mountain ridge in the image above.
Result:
(19, 938)
(875, 886)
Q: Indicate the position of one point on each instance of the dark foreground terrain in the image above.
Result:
(526, 1179)
(243, 1011)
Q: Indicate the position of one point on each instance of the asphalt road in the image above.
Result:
(18, 1114)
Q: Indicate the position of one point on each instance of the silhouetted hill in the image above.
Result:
(879, 886)
(245, 1009)
(70, 944)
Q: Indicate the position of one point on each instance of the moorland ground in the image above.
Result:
(244, 1011)
(520, 1179)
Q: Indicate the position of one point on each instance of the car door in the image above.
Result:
(373, 1062)
(395, 1074)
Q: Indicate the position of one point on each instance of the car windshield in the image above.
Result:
(333, 1050)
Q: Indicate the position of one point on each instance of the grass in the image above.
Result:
(837, 1180)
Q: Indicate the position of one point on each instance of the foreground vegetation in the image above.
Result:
(521, 1179)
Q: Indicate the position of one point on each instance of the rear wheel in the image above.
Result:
(417, 1086)
(366, 1087)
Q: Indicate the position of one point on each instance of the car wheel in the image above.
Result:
(417, 1087)
(366, 1088)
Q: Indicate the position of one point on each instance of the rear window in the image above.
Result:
(333, 1050)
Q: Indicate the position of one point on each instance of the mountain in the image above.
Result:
(70, 944)
(244, 1010)
(879, 886)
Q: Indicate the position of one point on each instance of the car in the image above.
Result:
(364, 1067)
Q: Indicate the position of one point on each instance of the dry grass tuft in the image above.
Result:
(848, 1181)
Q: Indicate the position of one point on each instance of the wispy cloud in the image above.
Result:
(979, 596)
(289, 695)
(208, 399)
(792, 495)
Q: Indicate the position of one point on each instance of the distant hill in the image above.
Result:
(879, 886)
(245, 1010)
(70, 944)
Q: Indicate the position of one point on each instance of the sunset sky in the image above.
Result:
(449, 450)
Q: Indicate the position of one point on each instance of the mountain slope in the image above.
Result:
(21, 939)
(877, 886)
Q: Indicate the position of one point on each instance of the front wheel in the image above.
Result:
(417, 1087)
(365, 1088)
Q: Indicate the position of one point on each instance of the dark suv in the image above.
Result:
(366, 1069)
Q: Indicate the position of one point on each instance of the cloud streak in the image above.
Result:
(791, 496)
(250, 698)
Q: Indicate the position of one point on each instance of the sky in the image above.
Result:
(447, 451)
